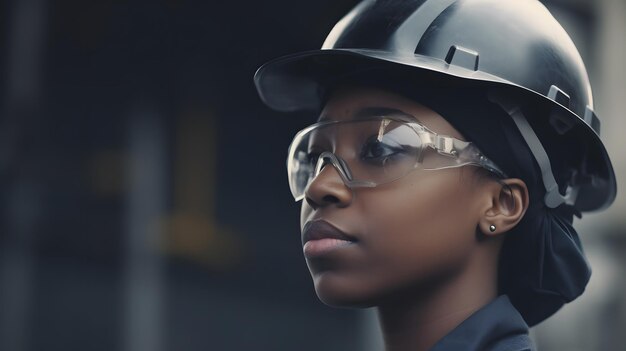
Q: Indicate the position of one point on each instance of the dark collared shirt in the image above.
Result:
(497, 326)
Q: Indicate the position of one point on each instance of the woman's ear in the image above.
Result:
(508, 201)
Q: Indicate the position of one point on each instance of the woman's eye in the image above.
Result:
(378, 151)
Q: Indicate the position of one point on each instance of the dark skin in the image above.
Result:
(424, 256)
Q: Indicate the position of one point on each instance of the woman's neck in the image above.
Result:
(416, 321)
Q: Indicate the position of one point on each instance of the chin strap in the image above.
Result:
(552, 198)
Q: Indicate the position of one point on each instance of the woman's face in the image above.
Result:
(407, 235)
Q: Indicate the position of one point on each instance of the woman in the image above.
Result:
(455, 142)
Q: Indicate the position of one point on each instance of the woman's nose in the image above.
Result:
(328, 188)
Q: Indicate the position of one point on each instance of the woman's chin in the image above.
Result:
(337, 291)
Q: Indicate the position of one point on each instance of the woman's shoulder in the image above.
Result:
(497, 326)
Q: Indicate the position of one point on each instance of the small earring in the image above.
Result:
(492, 228)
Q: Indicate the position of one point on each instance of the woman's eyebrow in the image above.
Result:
(366, 112)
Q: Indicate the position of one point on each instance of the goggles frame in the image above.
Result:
(443, 144)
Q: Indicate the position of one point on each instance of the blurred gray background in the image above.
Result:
(143, 191)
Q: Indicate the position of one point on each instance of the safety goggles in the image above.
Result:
(372, 151)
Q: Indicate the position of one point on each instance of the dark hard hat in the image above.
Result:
(512, 45)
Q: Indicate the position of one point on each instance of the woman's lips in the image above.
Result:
(320, 237)
(314, 248)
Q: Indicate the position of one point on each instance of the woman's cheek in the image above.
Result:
(419, 224)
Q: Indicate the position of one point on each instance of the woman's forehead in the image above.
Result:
(355, 102)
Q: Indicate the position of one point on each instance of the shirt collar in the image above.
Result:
(497, 323)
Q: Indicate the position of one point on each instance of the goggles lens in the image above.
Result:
(373, 151)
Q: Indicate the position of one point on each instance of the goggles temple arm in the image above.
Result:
(452, 147)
